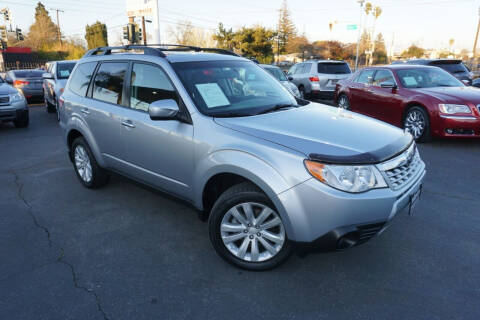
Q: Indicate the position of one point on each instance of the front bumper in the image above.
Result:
(321, 216)
(457, 127)
(17, 110)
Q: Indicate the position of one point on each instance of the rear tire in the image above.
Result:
(50, 107)
(22, 122)
(262, 237)
(343, 102)
(90, 174)
(303, 95)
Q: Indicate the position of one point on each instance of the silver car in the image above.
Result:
(13, 105)
(278, 74)
(217, 131)
(54, 81)
(318, 78)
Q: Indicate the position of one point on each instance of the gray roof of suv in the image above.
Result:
(199, 56)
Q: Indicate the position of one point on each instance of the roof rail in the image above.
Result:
(156, 49)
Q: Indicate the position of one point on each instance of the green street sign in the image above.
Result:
(352, 27)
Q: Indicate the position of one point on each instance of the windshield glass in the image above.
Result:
(277, 73)
(231, 88)
(333, 68)
(452, 67)
(64, 70)
(427, 78)
(28, 74)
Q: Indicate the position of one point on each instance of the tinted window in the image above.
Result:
(81, 78)
(64, 70)
(149, 84)
(307, 67)
(293, 69)
(333, 68)
(427, 78)
(366, 77)
(28, 74)
(277, 73)
(452, 67)
(383, 76)
(108, 83)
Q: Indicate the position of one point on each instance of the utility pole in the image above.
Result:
(361, 2)
(475, 64)
(59, 35)
(144, 33)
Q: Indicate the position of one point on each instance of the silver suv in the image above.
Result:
(318, 78)
(215, 129)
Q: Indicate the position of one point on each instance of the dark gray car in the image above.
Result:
(454, 67)
(29, 82)
(13, 106)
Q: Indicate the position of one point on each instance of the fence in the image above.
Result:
(11, 65)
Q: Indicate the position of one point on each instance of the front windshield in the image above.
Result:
(231, 88)
(277, 73)
(64, 70)
(427, 78)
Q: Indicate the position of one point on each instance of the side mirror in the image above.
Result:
(388, 85)
(166, 109)
(47, 75)
(8, 80)
(466, 82)
(290, 78)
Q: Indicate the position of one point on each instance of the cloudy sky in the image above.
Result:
(428, 23)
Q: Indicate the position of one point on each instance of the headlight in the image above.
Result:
(14, 97)
(454, 108)
(347, 178)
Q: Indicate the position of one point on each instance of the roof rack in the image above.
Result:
(156, 49)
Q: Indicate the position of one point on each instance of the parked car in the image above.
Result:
(267, 169)
(317, 78)
(427, 101)
(29, 82)
(455, 67)
(13, 106)
(54, 81)
(280, 76)
(476, 83)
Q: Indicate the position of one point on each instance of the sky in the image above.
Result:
(427, 23)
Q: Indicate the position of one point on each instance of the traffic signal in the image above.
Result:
(19, 34)
(125, 33)
(138, 36)
(131, 32)
(7, 15)
(3, 33)
(3, 45)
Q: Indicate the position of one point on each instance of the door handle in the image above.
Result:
(85, 111)
(128, 123)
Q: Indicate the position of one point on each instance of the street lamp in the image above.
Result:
(361, 2)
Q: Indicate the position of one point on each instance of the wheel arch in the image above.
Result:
(77, 129)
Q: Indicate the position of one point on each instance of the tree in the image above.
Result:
(256, 42)
(380, 54)
(376, 12)
(224, 37)
(286, 28)
(186, 34)
(299, 44)
(413, 52)
(43, 32)
(96, 35)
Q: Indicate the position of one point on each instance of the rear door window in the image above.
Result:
(365, 77)
(333, 68)
(64, 70)
(452, 67)
(307, 67)
(81, 78)
(108, 83)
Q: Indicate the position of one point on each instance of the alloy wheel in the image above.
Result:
(252, 232)
(415, 123)
(83, 164)
(343, 102)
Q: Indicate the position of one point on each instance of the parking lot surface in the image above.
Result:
(128, 252)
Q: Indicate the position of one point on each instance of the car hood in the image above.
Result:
(5, 88)
(325, 133)
(453, 94)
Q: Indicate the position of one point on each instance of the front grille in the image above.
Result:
(402, 169)
(366, 232)
(4, 99)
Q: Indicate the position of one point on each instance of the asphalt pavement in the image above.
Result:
(128, 252)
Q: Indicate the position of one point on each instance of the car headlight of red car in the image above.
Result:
(454, 108)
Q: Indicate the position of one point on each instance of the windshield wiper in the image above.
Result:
(278, 107)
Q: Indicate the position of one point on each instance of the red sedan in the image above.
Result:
(426, 101)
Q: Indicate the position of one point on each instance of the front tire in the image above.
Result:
(50, 107)
(303, 95)
(417, 123)
(90, 174)
(22, 122)
(246, 230)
